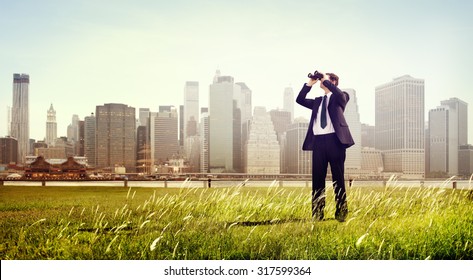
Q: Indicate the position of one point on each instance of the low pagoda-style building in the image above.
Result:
(41, 169)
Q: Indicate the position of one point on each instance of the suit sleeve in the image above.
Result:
(302, 100)
(341, 96)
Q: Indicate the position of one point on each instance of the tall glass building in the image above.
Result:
(163, 133)
(221, 124)
(448, 130)
(399, 129)
(352, 116)
(20, 125)
(191, 109)
(115, 136)
(89, 140)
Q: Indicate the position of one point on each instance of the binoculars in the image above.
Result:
(316, 76)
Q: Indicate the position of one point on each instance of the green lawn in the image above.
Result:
(232, 223)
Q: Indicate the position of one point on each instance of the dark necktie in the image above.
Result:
(323, 114)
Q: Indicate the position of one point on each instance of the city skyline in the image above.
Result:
(82, 54)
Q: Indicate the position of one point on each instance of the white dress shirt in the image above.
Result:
(317, 129)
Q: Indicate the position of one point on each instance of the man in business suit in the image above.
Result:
(328, 137)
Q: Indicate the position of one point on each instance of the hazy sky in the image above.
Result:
(83, 53)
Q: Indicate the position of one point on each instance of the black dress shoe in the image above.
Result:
(341, 213)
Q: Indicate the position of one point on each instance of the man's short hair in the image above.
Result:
(333, 78)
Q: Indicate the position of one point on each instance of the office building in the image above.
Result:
(465, 159)
(115, 137)
(73, 129)
(221, 123)
(143, 151)
(399, 127)
(297, 160)
(352, 116)
(181, 126)
(281, 120)
(261, 150)
(372, 161)
(191, 109)
(163, 134)
(459, 112)
(8, 150)
(204, 142)
(20, 126)
(89, 140)
(51, 126)
(367, 136)
(143, 116)
(289, 100)
(237, 143)
(244, 102)
(448, 130)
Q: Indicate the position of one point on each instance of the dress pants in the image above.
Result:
(328, 150)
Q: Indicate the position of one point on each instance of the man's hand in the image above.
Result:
(325, 77)
(311, 82)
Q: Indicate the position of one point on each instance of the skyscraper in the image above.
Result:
(465, 159)
(281, 120)
(163, 131)
(143, 155)
(204, 142)
(448, 130)
(115, 137)
(352, 116)
(459, 110)
(367, 135)
(244, 102)
(288, 104)
(51, 127)
(89, 140)
(73, 129)
(399, 129)
(261, 150)
(20, 126)
(221, 119)
(143, 116)
(8, 150)
(191, 108)
(181, 126)
(297, 160)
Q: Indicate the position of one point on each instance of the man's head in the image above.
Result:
(332, 78)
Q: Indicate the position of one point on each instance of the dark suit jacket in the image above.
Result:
(336, 107)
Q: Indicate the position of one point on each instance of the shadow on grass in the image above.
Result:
(267, 222)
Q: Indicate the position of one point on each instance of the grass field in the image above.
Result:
(264, 223)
